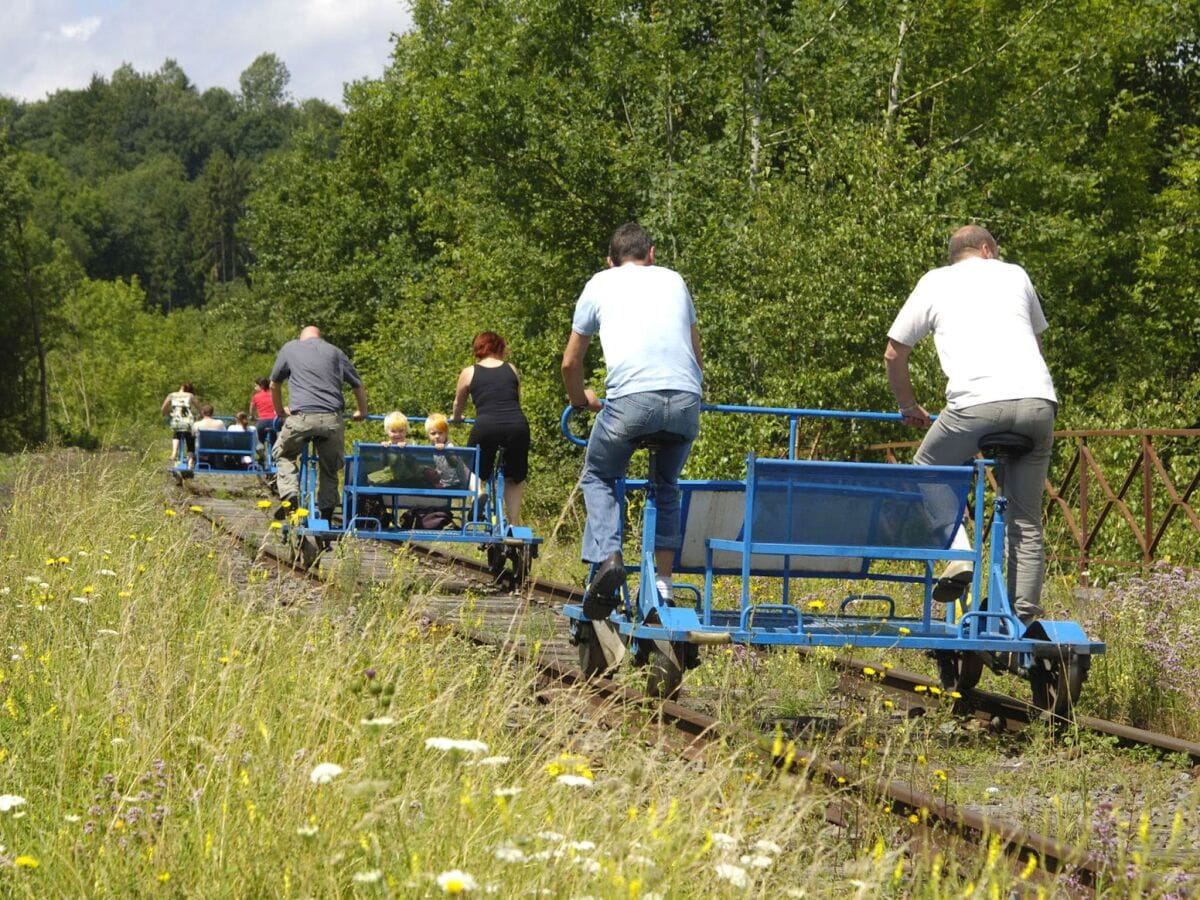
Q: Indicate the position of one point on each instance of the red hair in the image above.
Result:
(488, 343)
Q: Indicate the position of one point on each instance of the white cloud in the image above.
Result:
(47, 44)
(80, 31)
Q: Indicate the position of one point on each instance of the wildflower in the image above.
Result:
(588, 865)
(768, 847)
(940, 774)
(196, 509)
(307, 831)
(84, 600)
(735, 875)
(124, 595)
(463, 746)
(956, 695)
(904, 630)
(106, 631)
(920, 688)
(33, 579)
(510, 854)
(276, 525)
(369, 877)
(574, 781)
(724, 841)
(548, 836)
(816, 604)
(581, 846)
(264, 504)
(869, 672)
(108, 573)
(10, 801)
(758, 861)
(888, 704)
(377, 722)
(72, 818)
(325, 772)
(164, 877)
(25, 861)
(456, 881)
(169, 512)
(506, 792)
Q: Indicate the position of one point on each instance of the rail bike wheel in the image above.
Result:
(959, 670)
(1057, 681)
(495, 559)
(591, 654)
(521, 561)
(664, 670)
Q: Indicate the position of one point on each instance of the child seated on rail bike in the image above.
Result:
(452, 472)
(241, 423)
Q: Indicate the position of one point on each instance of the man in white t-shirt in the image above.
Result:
(644, 316)
(986, 321)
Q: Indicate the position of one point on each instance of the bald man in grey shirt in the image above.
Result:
(315, 372)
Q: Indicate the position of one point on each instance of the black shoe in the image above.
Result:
(327, 514)
(691, 655)
(282, 512)
(604, 593)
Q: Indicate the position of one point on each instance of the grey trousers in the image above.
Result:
(954, 439)
(327, 433)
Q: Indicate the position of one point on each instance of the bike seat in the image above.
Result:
(657, 440)
(1005, 445)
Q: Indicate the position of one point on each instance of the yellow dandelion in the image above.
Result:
(276, 525)
(87, 589)
(264, 504)
(169, 512)
(25, 861)
(914, 818)
(904, 630)
(888, 704)
(869, 672)
(816, 604)
(939, 773)
(124, 595)
(935, 690)
(921, 758)
(920, 688)
(196, 509)
(286, 504)
(956, 695)
(164, 877)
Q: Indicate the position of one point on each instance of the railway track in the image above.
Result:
(468, 601)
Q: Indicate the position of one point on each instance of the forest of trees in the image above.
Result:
(801, 163)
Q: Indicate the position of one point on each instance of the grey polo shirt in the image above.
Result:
(315, 371)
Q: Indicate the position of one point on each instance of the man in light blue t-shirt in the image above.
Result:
(644, 316)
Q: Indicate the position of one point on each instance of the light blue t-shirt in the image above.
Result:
(644, 316)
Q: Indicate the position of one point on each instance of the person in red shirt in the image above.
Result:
(262, 407)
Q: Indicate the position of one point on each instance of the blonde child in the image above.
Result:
(395, 427)
(452, 471)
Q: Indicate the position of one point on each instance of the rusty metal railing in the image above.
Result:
(1133, 473)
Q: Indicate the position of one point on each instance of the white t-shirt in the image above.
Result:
(985, 317)
(644, 316)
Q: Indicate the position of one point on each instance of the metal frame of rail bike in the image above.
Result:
(793, 522)
(477, 517)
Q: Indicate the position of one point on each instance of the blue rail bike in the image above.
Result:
(416, 493)
(220, 452)
(801, 529)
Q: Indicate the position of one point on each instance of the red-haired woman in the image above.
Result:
(495, 388)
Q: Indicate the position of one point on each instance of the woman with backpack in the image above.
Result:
(180, 409)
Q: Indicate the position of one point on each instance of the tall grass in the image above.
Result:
(173, 730)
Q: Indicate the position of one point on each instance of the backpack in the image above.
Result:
(181, 413)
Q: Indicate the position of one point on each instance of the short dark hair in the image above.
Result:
(187, 386)
(629, 242)
(207, 410)
(263, 383)
(488, 343)
(968, 239)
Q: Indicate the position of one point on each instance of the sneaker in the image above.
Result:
(604, 593)
(327, 514)
(954, 581)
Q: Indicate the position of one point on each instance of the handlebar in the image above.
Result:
(793, 414)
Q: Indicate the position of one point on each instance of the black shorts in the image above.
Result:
(513, 437)
(189, 440)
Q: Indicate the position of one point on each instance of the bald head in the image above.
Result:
(972, 240)
(309, 331)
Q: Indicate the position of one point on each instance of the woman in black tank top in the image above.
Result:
(495, 388)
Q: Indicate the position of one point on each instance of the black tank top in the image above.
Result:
(496, 393)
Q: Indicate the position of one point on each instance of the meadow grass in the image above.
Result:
(167, 728)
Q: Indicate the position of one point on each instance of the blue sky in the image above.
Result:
(46, 45)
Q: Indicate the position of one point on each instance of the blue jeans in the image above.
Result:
(613, 440)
